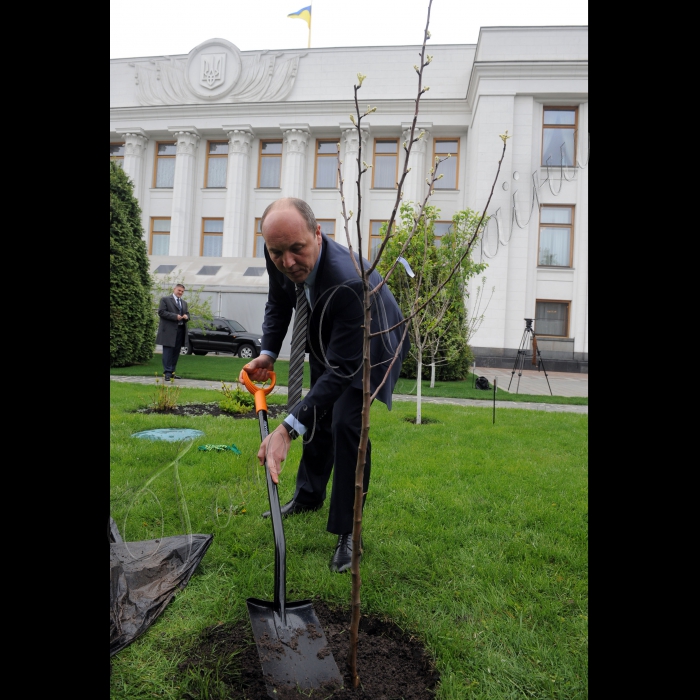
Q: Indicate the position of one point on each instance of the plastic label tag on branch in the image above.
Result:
(407, 267)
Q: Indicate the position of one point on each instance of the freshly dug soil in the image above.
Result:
(212, 409)
(392, 664)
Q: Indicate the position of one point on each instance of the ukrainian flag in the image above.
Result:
(304, 13)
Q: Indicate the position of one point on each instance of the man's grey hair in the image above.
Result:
(179, 284)
(299, 204)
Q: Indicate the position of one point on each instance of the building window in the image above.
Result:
(375, 238)
(160, 236)
(164, 175)
(327, 227)
(326, 164)
(116, 152)
(559, 136)
(270, 170)
(386, 162)
(217, 163)
(259, 240)
(556, 236)
(440, 228)
(552, 318)
(448, 168)
(212, 237)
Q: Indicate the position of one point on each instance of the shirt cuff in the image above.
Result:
(295, 424)
(273, 355)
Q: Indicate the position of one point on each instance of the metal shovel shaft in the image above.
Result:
(280, 591)
(293, 648)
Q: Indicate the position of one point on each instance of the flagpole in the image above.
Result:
(309, 46)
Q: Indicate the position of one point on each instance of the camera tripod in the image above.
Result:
(528, 336)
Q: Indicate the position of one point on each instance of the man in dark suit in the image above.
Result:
(172, 328)
(329, 416)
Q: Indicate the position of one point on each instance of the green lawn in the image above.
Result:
(228, 367)
(476, 540)
(209, 367)
(464, 389)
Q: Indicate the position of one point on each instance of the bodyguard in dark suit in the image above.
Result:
(172, 327)
(329, 416)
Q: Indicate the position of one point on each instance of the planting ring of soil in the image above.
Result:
(392, 664)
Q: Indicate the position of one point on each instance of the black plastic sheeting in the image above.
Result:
(144, 577)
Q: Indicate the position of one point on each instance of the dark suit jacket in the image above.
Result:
(167, 326)
(335, 334)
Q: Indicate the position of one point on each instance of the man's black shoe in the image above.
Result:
(342, 557)
(176, 376)
(292, 508)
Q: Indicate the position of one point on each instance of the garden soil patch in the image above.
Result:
(212, 409)
(392, 664)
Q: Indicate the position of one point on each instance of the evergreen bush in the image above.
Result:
(131, 320)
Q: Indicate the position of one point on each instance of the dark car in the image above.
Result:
(220, 335)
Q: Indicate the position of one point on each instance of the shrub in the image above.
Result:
(131, 322)
(166, 395)
(454, 370)
(235, 400)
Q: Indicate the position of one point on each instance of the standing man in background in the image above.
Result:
(172, 328)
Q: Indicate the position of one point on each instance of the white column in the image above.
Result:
(135, 142)
(579, 310)
(296, 140)
(351, 140)
(237, 231)
(181, 228)
(415, 188)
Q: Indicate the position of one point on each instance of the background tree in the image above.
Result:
(439, 331)
(131, 322)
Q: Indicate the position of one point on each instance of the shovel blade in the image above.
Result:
(294, 655)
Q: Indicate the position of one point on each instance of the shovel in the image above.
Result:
(293, 649)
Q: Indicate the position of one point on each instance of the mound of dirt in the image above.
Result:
(392, 664)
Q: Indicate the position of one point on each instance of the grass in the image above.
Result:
(227, 368)
(475, 540)
(464, 389)
(207, 367)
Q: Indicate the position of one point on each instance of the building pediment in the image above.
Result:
(216, 71)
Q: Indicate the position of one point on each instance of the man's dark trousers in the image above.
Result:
(333, 439)
(171, 354)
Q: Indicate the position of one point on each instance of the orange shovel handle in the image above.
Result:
(259, 392)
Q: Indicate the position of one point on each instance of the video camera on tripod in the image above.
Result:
(528, 337)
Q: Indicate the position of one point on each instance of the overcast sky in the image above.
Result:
(170, 27)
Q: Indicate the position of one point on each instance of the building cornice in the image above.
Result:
(323, 49)
(119, 116)
(518, 70)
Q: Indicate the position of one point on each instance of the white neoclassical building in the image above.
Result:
(212, 137)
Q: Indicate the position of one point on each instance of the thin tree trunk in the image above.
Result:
(419, 390)
(432, 374)
(359, 483)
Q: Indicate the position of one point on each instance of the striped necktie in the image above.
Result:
(296, 357)
(179, 304)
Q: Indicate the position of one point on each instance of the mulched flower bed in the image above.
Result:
(392, 664)
(212, 409)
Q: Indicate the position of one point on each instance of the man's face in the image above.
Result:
(293, 249)
(178, 291)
